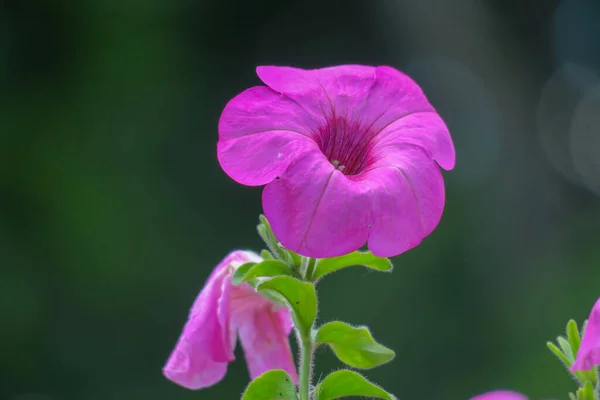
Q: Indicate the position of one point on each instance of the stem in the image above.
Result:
(310, 269)
(305, 366)
(305, 340)
(304, 261)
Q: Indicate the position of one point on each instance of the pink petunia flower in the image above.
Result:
(348, 156)
(220, 313)
(588, 355)
(500, 395)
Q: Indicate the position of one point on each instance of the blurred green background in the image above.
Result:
(113, 208)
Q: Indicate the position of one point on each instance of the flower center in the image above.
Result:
(345, 144)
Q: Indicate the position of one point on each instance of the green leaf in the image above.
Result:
(266, 233)
(558, 354)
(353, 345)
(264, 269)
(276, 249)
(266, 254)
(239, 273)
(299, 296)
(566, 348)
(588, 392)
(572, 396)
(573, 336)
(366, 259)
(272, 385)
(296, 258)
(345, 383)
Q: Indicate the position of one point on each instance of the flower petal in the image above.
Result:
(395, 219)
(424, 178)
(258, 159)
(206, 344)
(427, 130)
(260, 132)
(285, 320)
(325, 93)
(261, 109)
(191, 368)
(204, 330)
(206, 334)
(500, 395)
(382, 100)
(588, 354)
(264, 338)
(392, 97)
(315, 210)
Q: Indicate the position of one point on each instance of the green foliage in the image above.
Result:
(345, 383)
(587, 392)
(353, 345)
(241, 271)
(573, 336)
(558, 353)
(267, 268)
(567, 354)
(272, 385)
(299, 296)
(296, 258)
(265, 254)
(267, 235)
(566, 349)
(366, 259)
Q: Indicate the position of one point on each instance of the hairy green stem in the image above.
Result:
(305, 367)
(310, 269)
(304, 261)
(305, 340)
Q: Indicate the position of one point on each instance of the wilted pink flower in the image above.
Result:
(220, 313)
(588, 354)
(500, 395)
(348, 155)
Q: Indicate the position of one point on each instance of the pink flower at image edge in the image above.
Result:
(500, 395)
(220, 313)
(588, 355)
(348, 154)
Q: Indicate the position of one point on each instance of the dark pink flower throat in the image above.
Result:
(345, 144)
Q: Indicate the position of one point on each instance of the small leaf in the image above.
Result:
(266, 233)
(566, 348)
(299, 296)
(353, 345)
(345, 383)
(573, 336)
(239, 273)
(272, 385)
(588, 391)
(296, 258)
(266, 254)
(558, 354)
(572, 396)
(366, 259)
(285, 255)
